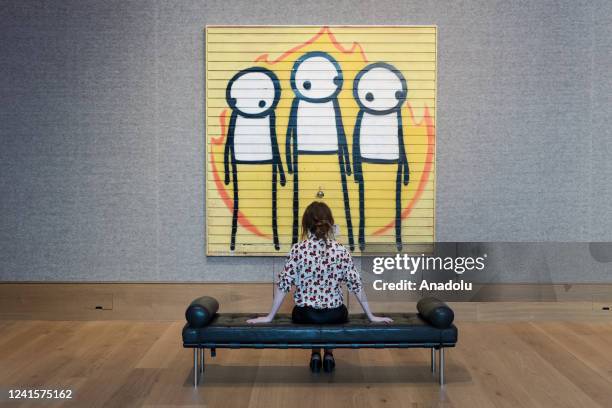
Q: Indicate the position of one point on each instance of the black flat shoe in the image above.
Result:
(329, 363)
(315, 362)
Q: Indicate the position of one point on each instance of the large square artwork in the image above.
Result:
(340, 114)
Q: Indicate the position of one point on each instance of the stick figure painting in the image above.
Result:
(252, 94)
(315, 125)
(378, 133)
(344, 115)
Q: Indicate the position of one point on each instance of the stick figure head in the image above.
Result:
(316, 77)
(253, 92)
(380, 88)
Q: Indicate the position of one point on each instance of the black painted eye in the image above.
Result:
(307, 85)
(232, 101)
(399, 95)
(338, 81)
(262, 103)
(369, 97)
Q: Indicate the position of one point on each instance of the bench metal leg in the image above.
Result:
(433, 360)
(441, 366)
(195, 366)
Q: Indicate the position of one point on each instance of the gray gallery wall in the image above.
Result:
(102, 132)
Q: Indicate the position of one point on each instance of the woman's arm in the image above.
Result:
(279, 296)
(355, 286)
(363, 301)
(286, 279)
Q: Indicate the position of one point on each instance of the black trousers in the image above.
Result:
(310, 315)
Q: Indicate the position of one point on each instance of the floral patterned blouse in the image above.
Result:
(317, 268)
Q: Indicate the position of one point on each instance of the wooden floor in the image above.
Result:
(127, 364)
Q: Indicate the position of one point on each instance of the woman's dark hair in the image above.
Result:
(318, 220)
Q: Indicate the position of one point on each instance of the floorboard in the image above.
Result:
(142, 363)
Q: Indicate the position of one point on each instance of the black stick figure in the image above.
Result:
(253, 94)
(380, 91)
(315, 124)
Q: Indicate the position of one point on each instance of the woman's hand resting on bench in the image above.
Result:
(363, 301)
(261, 319)
(279, 296)
(380, 319)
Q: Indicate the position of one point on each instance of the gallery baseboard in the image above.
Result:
(167, 301)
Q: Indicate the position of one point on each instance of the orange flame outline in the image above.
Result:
(431, 138)
(264, 58)
(325, 30)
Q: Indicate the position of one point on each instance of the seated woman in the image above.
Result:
(316, 266)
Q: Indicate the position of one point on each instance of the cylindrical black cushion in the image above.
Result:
(436, 312)
(201, 311)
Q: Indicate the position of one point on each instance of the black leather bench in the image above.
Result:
(432, 327)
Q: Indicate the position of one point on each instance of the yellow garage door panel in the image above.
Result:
(263, 249)
(261, 197)
(249, 56)
(347, 67)
(309, 192)
(287, 105)
(218, 226)
(327, 191)
(419, 150)
(217, 96)
(323, 168)
(313, 29)
(224, 240)
(218, 234)
(262, 206)
(279, 48)
(373, 219)
(413, 221)
(364, 38)
(226, 76)
(322, 176)
(420, 84)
